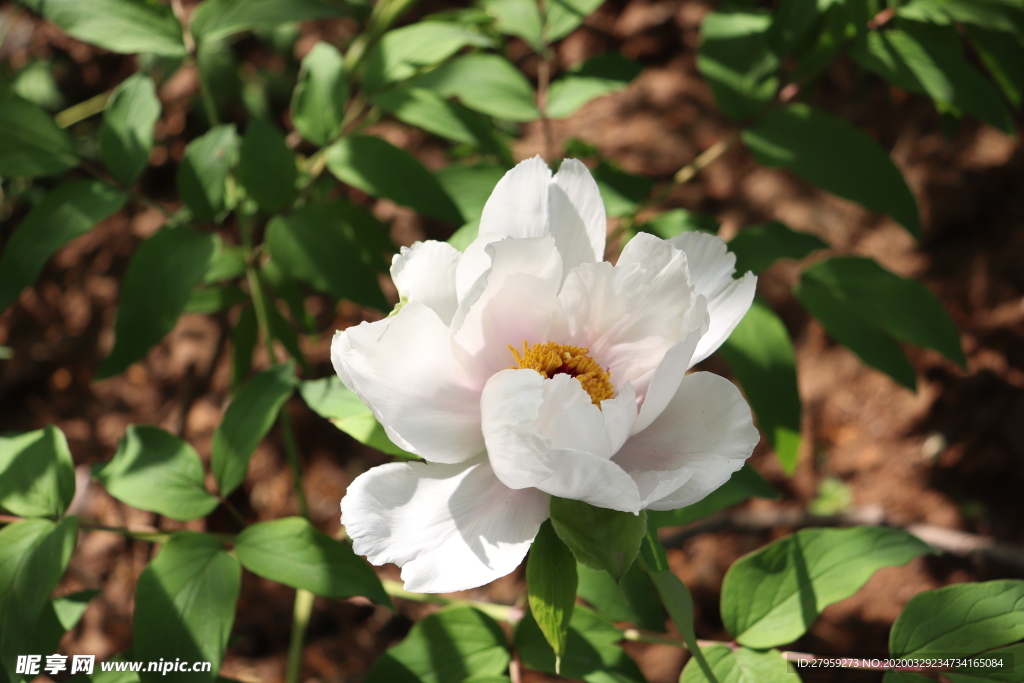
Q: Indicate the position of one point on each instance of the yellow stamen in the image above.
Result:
(550, 359)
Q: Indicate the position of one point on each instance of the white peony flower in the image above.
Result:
(528, 368)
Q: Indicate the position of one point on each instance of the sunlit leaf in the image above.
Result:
(741, 665)
(562, 17)
(519, 18)
(126, 26)
(487, 83)
(266, 167)
(736, 60)
(216, 19)
(401, 52)
(202, 175)
(551, 587)
(37, 475)
(601, 75)
(318, 104)
(126, 138)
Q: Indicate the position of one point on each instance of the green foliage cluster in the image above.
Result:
(260, 223)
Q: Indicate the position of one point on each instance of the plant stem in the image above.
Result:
(82, 110)
(300, 620)
(234, 511)
(499, 612)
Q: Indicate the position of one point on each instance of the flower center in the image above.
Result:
(551, 359)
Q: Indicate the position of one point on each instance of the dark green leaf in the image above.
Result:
(632, 599)
(598, 537)
(622, 192)
(126, 26)
(563, 16)
(379, 168)
(601, 75)
(33, 556)
(773, 595)
(59, 616)
(837, 28)
(246, 421)
(736, 59)
(266, 167)
(591, 650)
(679, 603)
(37, 475)
(212, 299)
(216, 19)
(228, 263)
(451, 646)
(760, 354)
(745, 483)
(294, 552)
(31, 144)
(486, 83)
(653, 557)
(126, 138)
(739, 666)
(243, 339)
(519, 18)
(759, 246)
(962, 620)
(185, 604)
(678, 221)
(70, 210)
(994, 15)
(330, 399)
(860, 302)
(905, 677)
(153, 470)
(160, 278)
(404, 51)
(1003, 56)
(832, 154)
(551, 588)
(285, 332)
(792, 21)
(318, 245)
(203, 172)
(318, 105)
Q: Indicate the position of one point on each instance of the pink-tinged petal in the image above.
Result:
(703, 435)
(510, 303)
(403, 369)
(582, 191)
(425, 273)
(450, 527)
(712, 266)
(547, 434)
(665, 380)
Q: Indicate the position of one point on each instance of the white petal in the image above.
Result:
(510, 303)
(665, 380)
(704, 434)
(403, 369)
(574, 178)
(450, 527)
(712, 266)
(546, 433)
(425, 273)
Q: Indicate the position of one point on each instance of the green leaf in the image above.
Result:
(68, 211)
(36, 83)
(773, 595)
(469, 186)
(678, 221)
(632, 599)
(759, 246)
(601, 75)
(551, 588)
(266, 167)
(185, 603)
(745, 483)
(454, 645)
(126, 138)
(402, 52)
(294, 552)
(563, 16)
(202, 175)
(760, 354)
(37, 475)
(246, 421)
(905, 677)
(153, 470)
(331, 399)
(228, 263)
(125, 26)
(33, 556)
(59, 616)
(216, 19)
(318, 105)
(378, 168)
(519, 18)
(963, 620)
(320, 246)
(31, 144)
(598, 537)
(736, 59)
(207, 300)
(679, 603)
(869, 309)
(622, 192)
(994, 15)
(486, 83)
(830, 153)
(739, 666)
(591, 650)
(792, 21)
(157, 285)
(1003, 56)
